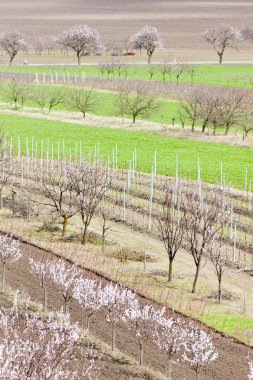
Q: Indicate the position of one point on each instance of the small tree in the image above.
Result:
(82, 39)
(171, 223)
(64, 276)
(18, 91)
(148, 38)
(135, 102)
(9, 253)
(178, 70)
(142, 320)
(41, 271)
(199, 350)
(55, 97)
(169, 337)
(218, 260)
(116, 299)
(12, 43)
(222, 38)
(88, 294)
(83, 100)
(91, 188)
(206, 216)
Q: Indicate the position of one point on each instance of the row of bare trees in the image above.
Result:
(217, 108)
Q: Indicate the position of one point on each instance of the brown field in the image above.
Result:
(180, 22)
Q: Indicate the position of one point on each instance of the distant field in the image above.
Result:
(180, 22)
(235, 160)
(225, 75)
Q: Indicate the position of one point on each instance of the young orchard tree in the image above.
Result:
(59, 191)
(166, 70)
(12, 43)
(40, 96)
(135, 102)
(222, 38)
(82, 39)
(55, 97)
(92, 186)
(6, 176)
(31, 348)
(9, 253)
(41, 271)
(19, 90)
(206, 216)
(178, 70)
(218, 259)
(116, 299)
(64, 276)
(234, 106)
(142, 320)
(88, 295)
(83, 100)
(149, 39)
(199, 350)
(171, 224)
(190, 107)
(169, 337)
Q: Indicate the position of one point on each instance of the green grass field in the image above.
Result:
(235, 325)
(225, 75)
(235, 159)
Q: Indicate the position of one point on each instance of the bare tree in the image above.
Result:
(206, 216)
(218, 259)
(171, 223)
(41, 271)
(148, 38)
(91, 188)
(178, 70)
(166, 70)
(59, 192)
(190, 107)
(19, 90)
(83, 100)
(82, 39)
(135, 102)
(222, 38)
(56, 96)
(12, 43)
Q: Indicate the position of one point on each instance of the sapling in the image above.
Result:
(88, 294)
(41, 270)
(199, 350)
(9, 253)
(64, 276)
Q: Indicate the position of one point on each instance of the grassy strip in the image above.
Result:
(225, 75)
(235, 159)
(231, 324)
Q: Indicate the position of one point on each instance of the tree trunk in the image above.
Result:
(134, 118)
(3, 276)
(113, 337)
(149, 58)
(65, 306)
(197, 375)
(141, 354)
(11, 59)
(170, 271)
(196, 276)
(169, 369)
(84, 237)
(220, 58)
(64, 227)
(45, 299)
(78, 59)
(219, 291)
(84, 114)
(227, 129)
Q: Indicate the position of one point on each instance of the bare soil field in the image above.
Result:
(227, 367)
(180, 22)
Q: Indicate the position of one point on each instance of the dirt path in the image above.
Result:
(230, 365)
